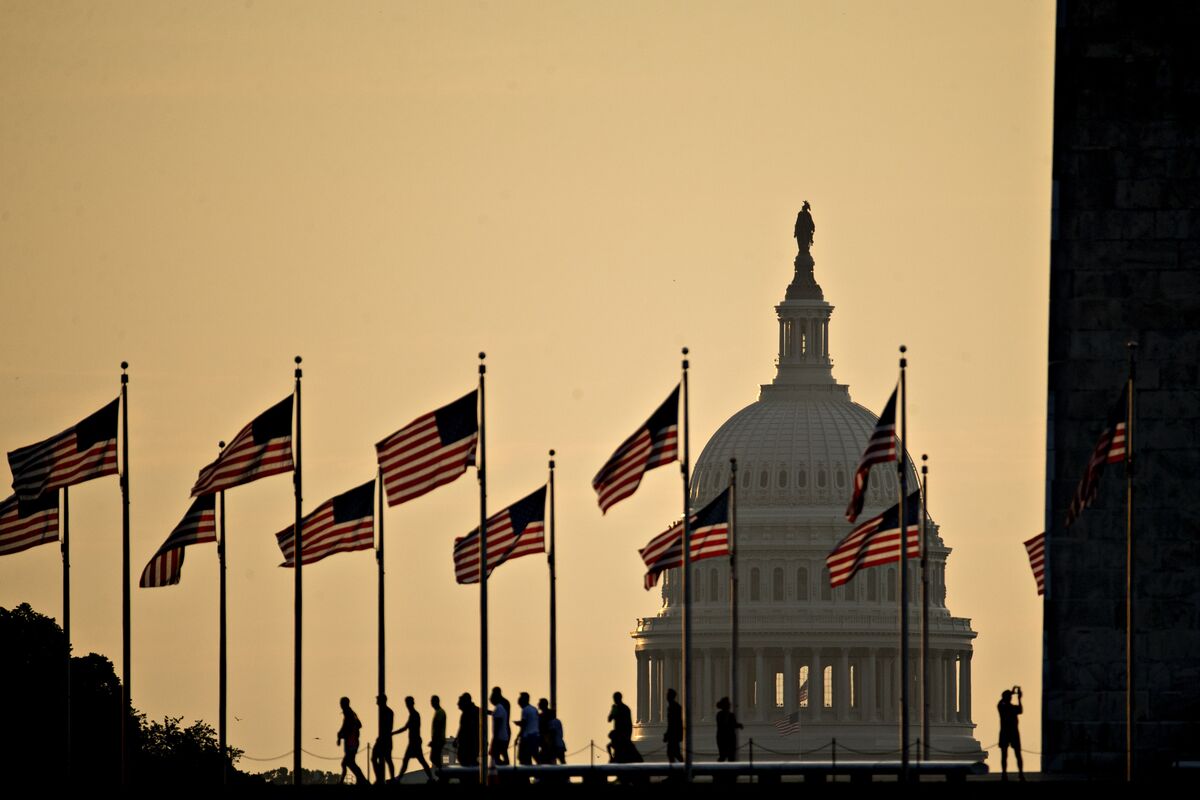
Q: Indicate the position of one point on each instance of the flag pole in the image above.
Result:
(382, 646)
(66, 564)
(1129, 659)
(222, 671)
(733, 594)
(127, 665)
(924, 608)
(299, 594)
(687, 586)
(483, 604)
(553, 601)
(902, 568)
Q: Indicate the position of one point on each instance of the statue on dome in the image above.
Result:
(805, 227)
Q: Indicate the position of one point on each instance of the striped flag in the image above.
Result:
(881, 448)
(803, 697)
(518, 530)
(430, 451)
(199, 525)
(341, 524)
(789, 725)
(261, 449)
(1036, 548)
(28, 523)
(80, 453)
(654, 444)
(710, 538)
(875, 542)
(1110, 449)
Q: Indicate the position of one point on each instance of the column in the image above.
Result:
(825, 339)
(841, 686)
(816, 686)
(789, 684)
(868, 686)
(964, 696)
(643, 687)
(760, 685)
(951, 687)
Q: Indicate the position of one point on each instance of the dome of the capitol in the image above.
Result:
(824, 658)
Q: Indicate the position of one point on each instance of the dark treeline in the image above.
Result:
(31, 727)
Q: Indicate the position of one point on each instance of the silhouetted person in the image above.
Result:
(348, 733)
(554, 750)
(437, 732)
(382, 754)
(413, 726)
(467, 738)
(620, 739)
(500, 731)
(530, 735)
(1010, 735)
(727, 727)
(674, 735)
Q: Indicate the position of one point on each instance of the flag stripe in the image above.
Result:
(652, 445)
(1036, 549)
(249, 457)
(709, 539)
(325, 534)
(198, 526)
(1109, 449)
(81, 453)
(880, 449)
(876, 541)
(23, 528)
(418, 458)
(518, 530)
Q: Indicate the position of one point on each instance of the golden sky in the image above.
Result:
(386, 188)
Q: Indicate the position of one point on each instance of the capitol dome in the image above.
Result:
(826, 660)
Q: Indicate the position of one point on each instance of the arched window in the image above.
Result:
(754, 593)
(872, 585)
(802, 584)
(826, 591)
(826, 688)
(891, 584)
(841, 479)
(746, 479)
(764, 479)
(777, 585)
(783, 479)
(803, 340)
(803, 693)
(820, 478)
(712, 585)
(787, 338)
(697, 586)
(802, 477)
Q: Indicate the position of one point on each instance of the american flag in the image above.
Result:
(803, 698)
(789, 725)
(430, 451)
(1036, 548)
(710, 538)
(518, 530)
(199, 525)
(875, 542)
(28, 523)
(881, 448)
(80, 453)
(341, 524)
(1110, 449)
(261, 449)
(654, 444)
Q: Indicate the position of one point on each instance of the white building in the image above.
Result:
(796, 450)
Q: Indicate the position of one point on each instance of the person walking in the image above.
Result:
(382, 753)
(348, 733)
(413, 726)
(674, 734)
(727, 727)
(467, 739)
(554, 750)
(500, 731)
(437, 732)
(621, 737)
(1010, 734)
(531, 737)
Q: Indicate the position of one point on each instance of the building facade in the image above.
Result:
(830, 656)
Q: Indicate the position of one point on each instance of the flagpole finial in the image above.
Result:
(903, 360)
(221, 444)
(299, 372)
(551, 459)
(685, 358)
(1131, 344)
(482, 366)
(924, 466)
(124, 377)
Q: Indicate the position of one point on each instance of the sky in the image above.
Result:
(208, 189)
